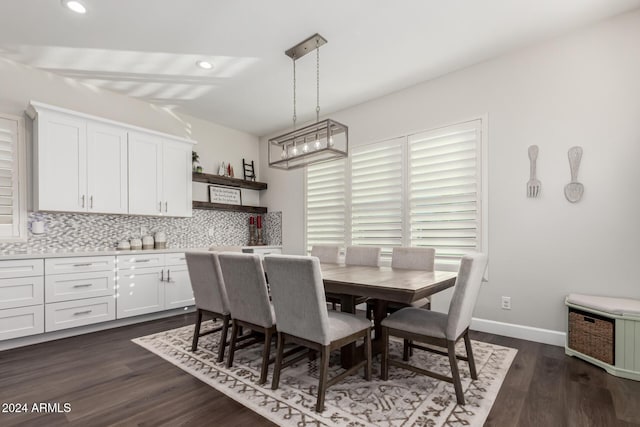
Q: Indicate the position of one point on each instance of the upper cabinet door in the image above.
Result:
(106, 168)
(61, 163)
(177, 179)
(145, 174)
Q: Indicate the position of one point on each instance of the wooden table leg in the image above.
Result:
(379, 313)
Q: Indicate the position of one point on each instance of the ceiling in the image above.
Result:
(148, 48)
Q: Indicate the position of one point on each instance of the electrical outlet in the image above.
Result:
(143, 231)
(506, 303)
(212, 232)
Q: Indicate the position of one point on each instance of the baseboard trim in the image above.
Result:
(529, 333)
(81, 330)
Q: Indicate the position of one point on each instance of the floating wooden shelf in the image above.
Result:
(225, 180)
(225, 207)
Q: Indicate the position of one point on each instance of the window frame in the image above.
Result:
(482, 199)
(20, 230)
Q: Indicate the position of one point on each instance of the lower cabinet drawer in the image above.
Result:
(20, 322)
(66, 287)
(69, 314)
(21, 292)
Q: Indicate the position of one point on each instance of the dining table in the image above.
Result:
(383, 285)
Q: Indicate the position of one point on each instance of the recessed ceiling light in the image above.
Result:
(206, 65)
(75, 6)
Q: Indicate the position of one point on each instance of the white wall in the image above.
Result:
(20, 84)
(581, 89)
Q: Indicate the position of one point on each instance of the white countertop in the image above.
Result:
(62, 253)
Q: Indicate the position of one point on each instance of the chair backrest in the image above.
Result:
(362, 255)
(326, 253)
(214, 248)
(298, 296)
(247, 288)
(207, 282)
(413, 258)
(465, 294)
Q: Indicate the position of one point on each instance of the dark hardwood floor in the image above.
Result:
(110, 381)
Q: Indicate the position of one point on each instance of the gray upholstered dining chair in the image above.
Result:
(249, 304)
(362, 255)
(410, 259)
(439, 329)
(326, 253)
(299, 301)
(210, 295)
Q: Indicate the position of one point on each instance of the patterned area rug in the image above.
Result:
(407, 399)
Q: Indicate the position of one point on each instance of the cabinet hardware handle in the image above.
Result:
(78, 313)
(83, 265)
(83, 286)
(168, 276)
(181, 259)
(83, 200)
(162, 276)
(91, 202)
(160, 204)
(166, 206)
(142, 260)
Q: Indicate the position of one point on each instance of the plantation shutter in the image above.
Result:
(376, 195)
(444, 183)
(9, 179)
(325, 204)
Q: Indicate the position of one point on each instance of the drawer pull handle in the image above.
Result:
(88, 264)
(141, 260)
(589, 319)
(83, 286)
(78, 313)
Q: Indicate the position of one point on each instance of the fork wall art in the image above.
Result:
(533, 185)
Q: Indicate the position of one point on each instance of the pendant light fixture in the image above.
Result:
(319, 142)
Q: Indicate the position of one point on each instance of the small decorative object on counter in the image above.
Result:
(260, 242)
(249, 172)
(199, 169)
(252, 231)
(222, 170)
(195, 159)
(123, 245)
(147, 242)
(136, 244)
(161, 240)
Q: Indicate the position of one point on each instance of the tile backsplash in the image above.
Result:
(74, 231)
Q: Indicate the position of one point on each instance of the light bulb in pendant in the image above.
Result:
(294, 151)
(283, 155)
(330, 141)
(316, 144)
(305, 148)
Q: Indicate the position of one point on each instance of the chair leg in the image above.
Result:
(223, 338)
(275, 383)
(268, 334)
(232, 345)
(472, 362)
(324, 372)
(367, 352)
(196, 332)
(455, 373)
(405, 350)
(384, 361)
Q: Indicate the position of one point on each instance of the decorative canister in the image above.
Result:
(124, 245)
(147, 242)
(136, 244)
(161, 240)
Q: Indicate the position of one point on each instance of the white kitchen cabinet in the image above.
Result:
(151, 283)
(89, 164)
(79, 291)
(81, 165)
(21, 298)
(159, 176)
(177, 290)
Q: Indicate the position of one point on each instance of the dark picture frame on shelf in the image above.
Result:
(224, 194)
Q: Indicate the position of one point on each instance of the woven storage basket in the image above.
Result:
(592, 335)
